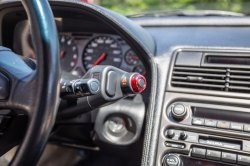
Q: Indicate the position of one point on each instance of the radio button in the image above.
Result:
(228, 157)
(243, 160)
(198, 152)
(236, 126)
(247, 128)
(223, 125)
(210, 123)
(198, 121)
(246, 146)
(175, 145)
(213, 154)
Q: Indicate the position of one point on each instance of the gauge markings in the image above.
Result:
(102, 50)
(131, 58)
(68, 52)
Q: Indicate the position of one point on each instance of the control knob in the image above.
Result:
(183, 135)
(178, 112)
(171, 160)
(170, 133)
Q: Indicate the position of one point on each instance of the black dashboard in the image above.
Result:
(195, 110)
(85, 41)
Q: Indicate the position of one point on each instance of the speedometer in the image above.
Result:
(102, 50)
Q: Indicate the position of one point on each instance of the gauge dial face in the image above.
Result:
(68, 52)
(131, 58)
(140, 69)
(102, 50)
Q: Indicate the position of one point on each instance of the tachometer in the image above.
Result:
(102, 50)
(68, 52)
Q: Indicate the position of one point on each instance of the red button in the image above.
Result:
(138, 83)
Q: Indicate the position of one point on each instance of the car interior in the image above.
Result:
(83, 85)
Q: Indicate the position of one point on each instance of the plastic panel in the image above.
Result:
(170, 88)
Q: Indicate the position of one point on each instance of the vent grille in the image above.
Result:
(234, 80)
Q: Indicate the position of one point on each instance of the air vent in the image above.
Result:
(220, 79)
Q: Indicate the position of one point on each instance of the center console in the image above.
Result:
(204, 120)
(198, 134)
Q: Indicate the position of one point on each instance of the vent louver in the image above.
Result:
(220, 79)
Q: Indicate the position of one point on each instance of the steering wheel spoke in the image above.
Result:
(16, 83)
(18, 98)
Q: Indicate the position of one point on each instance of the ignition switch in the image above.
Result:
(116, 124)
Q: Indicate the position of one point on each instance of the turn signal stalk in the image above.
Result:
(100, 86)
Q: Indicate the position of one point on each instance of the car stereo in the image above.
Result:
(200, 147)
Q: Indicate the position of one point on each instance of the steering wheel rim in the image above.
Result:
(41, 102)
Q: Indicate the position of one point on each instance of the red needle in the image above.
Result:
(99, 59)
(33, 53)
(62, 52)
(75, 61)
(133, 56)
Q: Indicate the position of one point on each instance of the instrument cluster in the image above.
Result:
(81, 51)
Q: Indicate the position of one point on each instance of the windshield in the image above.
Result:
(129, 7)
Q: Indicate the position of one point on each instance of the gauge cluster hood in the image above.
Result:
(121, 23)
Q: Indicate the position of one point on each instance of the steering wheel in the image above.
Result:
(34, 93)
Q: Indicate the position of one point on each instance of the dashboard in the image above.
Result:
(79, 51)
(197, 102)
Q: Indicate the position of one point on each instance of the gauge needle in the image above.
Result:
(33, 53)
(62, 52)
(75, 61)
(144, 73)
(99, 59)
(133, 56)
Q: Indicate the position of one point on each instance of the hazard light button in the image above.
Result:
(138, 83)
(132, 83)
